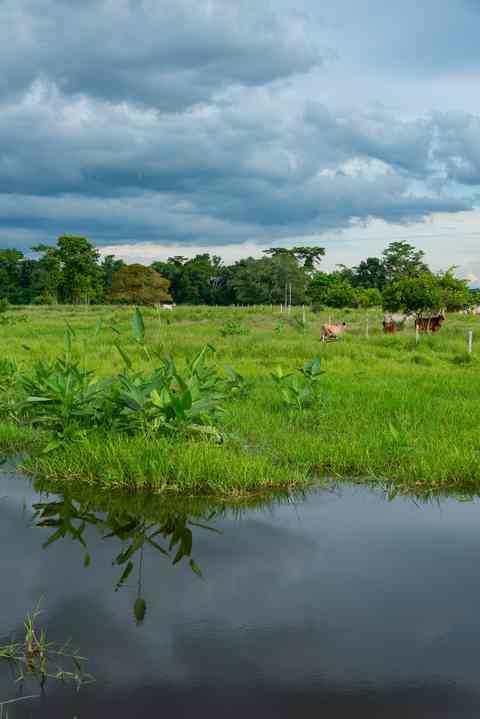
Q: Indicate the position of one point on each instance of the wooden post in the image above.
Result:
(281, 309)
(417, 334)
(470, 341)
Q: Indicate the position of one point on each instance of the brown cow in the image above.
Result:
(430, 324)
(331, 332)
(389, 326)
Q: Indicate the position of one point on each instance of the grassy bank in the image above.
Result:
(386, 408)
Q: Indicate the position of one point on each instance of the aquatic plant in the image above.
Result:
(38, 658)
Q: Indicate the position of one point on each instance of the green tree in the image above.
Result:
(368, 297)
(332, 290)
(81, 277)
(263, 281)
(10, 276)
(426, 294)
(370, 273)
(48, 275)
(400, 260)
(309, 256)
(319, 286)
(108, 267)
(456, 293)
(202, 279)
(140, 285)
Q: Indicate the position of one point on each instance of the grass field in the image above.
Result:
(387, 408)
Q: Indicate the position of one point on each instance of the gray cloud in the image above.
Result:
(168, 54)
(213, 123)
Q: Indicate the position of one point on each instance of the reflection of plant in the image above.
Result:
(301, 388)
(70, 518)
(36, 657)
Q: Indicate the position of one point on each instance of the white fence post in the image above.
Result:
(470, 341)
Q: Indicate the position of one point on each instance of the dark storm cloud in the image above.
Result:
(168, 54)
(212, 122)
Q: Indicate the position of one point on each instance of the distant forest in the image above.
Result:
(73, 272)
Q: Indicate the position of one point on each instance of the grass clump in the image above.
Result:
(35, 657)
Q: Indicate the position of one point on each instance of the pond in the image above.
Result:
(336, 604)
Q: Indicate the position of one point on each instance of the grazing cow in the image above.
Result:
(429, 324)
(167, 307)
(389, 326)
(331, 332)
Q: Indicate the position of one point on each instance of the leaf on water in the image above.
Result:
(87, 560)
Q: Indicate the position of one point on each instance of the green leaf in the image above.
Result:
(98, 327)
(138, 326)
(139, 609)
(195, 568)
(52, 446)
(124, 356)
(67, 341)
(126, 573)
(87, 560)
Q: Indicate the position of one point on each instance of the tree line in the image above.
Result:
(72, 272)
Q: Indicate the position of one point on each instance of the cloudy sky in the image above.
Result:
(162, 126)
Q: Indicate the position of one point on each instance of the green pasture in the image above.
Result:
(387, 410)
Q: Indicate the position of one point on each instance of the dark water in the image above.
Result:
(338, 605)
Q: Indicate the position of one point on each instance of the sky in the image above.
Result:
(163, 127)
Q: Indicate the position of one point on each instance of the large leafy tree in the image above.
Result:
(108, 267)
(402, 260)
(370, 273)
(264, 280)
(426, 294)
(202, 279)
(69, 272)
(47, 275)
(309, 256)
(140, 285)
(81, 279)
(11, 276)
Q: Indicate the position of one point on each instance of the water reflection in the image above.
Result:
(345, 603)
(135, 521)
